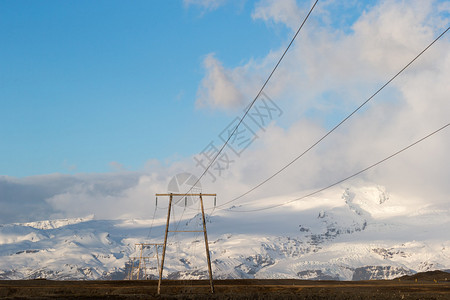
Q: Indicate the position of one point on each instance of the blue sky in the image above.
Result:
(86, 83)
(97, 86)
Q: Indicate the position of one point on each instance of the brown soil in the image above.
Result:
(428, 286)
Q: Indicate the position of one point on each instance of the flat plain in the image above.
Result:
(429, 285)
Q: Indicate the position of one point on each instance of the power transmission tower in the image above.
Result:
(208, 258)
(131, 270)
(143, 260)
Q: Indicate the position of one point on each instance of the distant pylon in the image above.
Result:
(142, 266)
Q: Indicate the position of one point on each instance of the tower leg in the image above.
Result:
(207, 246)
(165, 245)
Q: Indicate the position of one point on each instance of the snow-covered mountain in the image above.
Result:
(343, 234)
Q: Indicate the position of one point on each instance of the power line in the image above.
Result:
(346, 178)
(335, 127)
(151, 225)
(254, 100)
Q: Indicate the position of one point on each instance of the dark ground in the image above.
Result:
(429, 285)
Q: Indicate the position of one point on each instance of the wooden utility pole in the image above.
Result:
(207, 245)
(208, 258)
(165, 242)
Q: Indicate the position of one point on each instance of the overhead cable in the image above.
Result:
(254, 100)
(344, 179)
(335, 127)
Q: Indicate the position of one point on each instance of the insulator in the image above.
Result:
(214, 201)
(156, 201)
(185, 201)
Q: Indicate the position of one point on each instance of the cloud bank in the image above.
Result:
(328, 72)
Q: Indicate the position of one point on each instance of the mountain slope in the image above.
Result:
(345, 234)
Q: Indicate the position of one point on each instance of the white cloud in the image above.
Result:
(206, 4)
(394, 32)
(286, 12)
(330, 72)
(106, 196)
(217, 89)
(59, 196)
